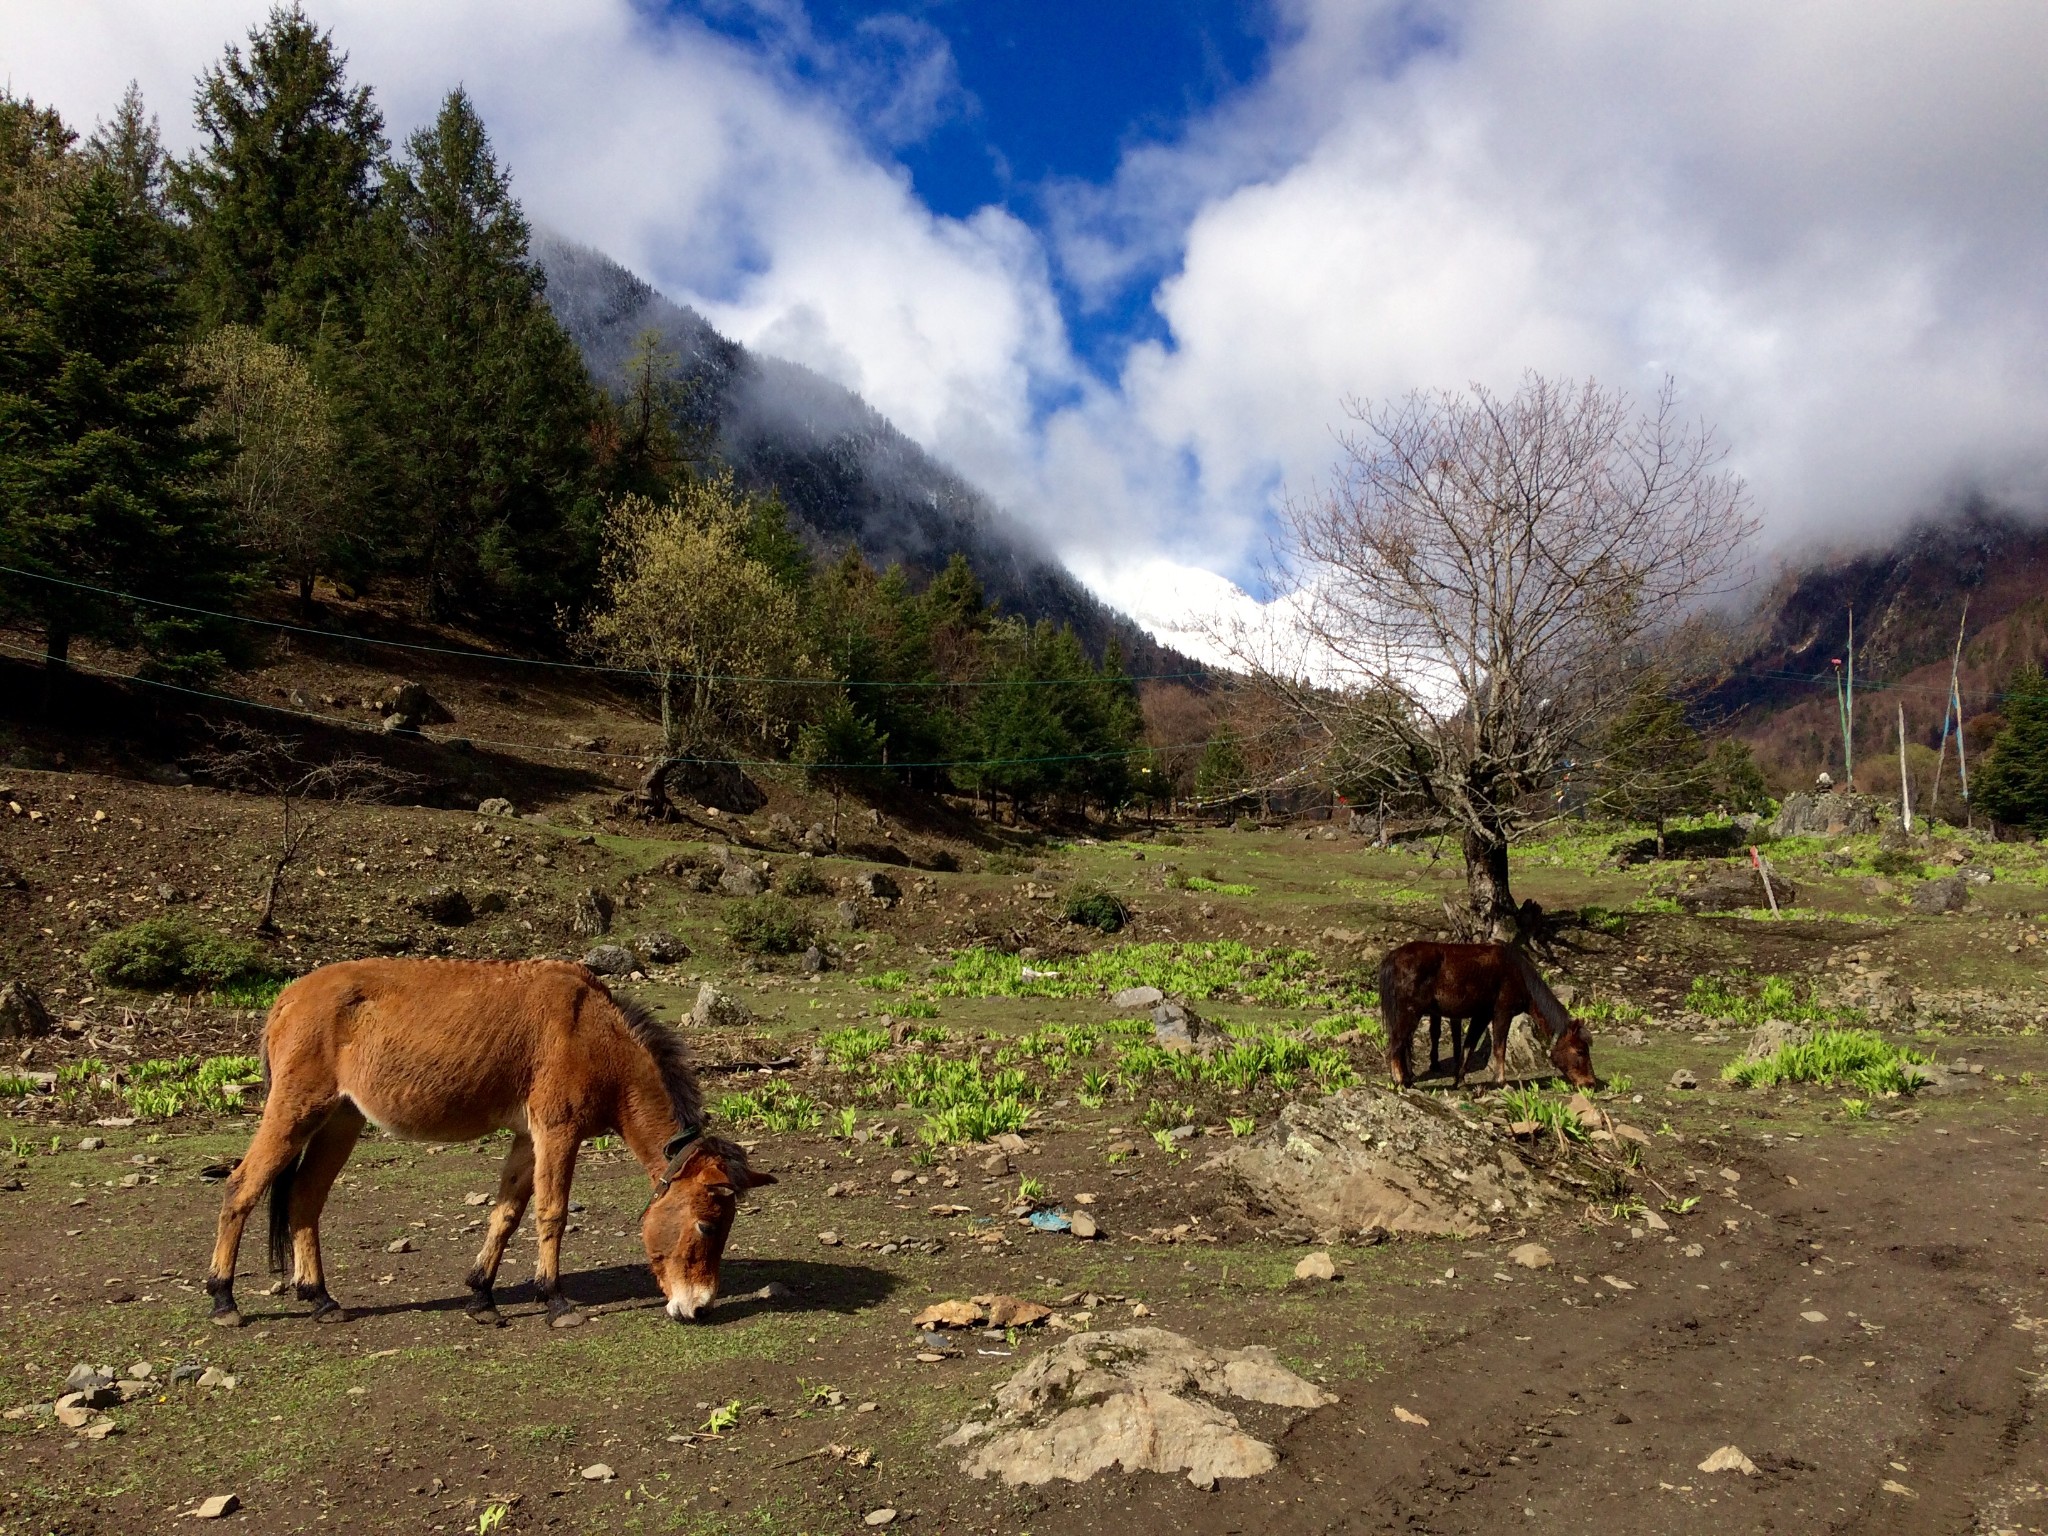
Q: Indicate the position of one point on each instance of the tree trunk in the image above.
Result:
(306, 591)
(1660, 837)
(1486, 878)
(56, 666)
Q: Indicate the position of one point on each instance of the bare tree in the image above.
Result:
(245, 758)
(1479, 588)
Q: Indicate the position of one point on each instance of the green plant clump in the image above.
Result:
(853, 1046)
(167, 954)
(1857, 1056)
(803, 879)
(774, 1106)
(1091, 906)
(769, 925)
(1776, 998)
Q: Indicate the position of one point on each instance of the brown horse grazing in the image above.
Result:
(451, 1050)
(1486, 983)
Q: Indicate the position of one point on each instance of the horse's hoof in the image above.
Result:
(488, 1316)
(228, 1318)
(568, 1317)
(330, 1311)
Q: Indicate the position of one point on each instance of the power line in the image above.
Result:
(581, 666)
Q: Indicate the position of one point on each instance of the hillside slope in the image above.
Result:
(847, 475)
(1777, 690)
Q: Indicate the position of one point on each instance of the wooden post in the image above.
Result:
(1849, 730)
(1769, 895)
(1905, 784)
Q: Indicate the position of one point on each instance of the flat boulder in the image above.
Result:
(1142, 1399)
(1138, 997)
(718, 1010)
(1179, 1028)
(1945, 893)
(660, 947)
(1372, 1160)
(1772, 1036)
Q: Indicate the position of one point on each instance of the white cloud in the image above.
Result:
(1824, 220)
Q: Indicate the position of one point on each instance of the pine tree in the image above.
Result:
(131, 147)
(280, 192)
(842, 752)
(1655, 765)
(103, 479)
(1221, 772)
(473, 401)
(2013, 786)
(1737, 781)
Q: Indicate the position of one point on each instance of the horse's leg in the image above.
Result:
(318, 1169)
(286, 1128)
(1436, 1024)
(515, 1188)
(554, 1165)
(1460, 1051)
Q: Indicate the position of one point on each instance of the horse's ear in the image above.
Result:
(755, 1179)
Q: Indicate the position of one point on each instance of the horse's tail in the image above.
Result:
(281, 1216)
(1387, 980)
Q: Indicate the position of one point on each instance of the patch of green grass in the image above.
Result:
(249, 994)
(1278, 977)
(15, 1087)
(163, 1088)
(918, 1008)
(1604, 920)
(1242, 1125)
(1093, 906)
(1775, 997)
(1857, 1056)
(76, 1074)
(884, 981)
(1215, 886)
(168, 954)
(853, 1046)
(1856, 1109)
(769, 925)
(1544, 1109)
(774, 1106)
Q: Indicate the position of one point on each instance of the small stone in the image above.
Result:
(996, 1162)
(218, 1507)
(1685, 1079)
(884, 1516)
(1814, 1317)
(928, 1357)
(901, 1176)
(91, 1143)
(1729, 1459)
(1317, 1266)
(1138, 997)
(496, 805)
(141, 1370)
(1531, 1256)
(99, 1430)
(476, 1197)
(1617, 1282)
(1893, 1486)
(1692, 1250)
(1015, 1312)
(660, 947)
(73, 1414)
(1083, 1226)
(399, 1245)
(1408, 1416)
(1655, 1222)
(597, 1472)
(829, 1239)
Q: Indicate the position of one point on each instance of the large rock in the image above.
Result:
(496, 805)
(877, 886)
(1835, 814)
(1945, 893)
(1179, 1028)
(22, 1014)
(660, 947)
(1137, 1398)
(1372, 1160)
(419, 706)
(1772, 1036)
(1735, 888)
(1138, 997)
(737, 877)
(611, 960)
(718, 1010)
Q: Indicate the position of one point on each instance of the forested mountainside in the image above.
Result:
(846, 474)
(1909, 597)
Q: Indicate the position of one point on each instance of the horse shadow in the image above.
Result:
(802, 1285)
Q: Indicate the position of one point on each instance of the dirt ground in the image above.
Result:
(1854, 1299)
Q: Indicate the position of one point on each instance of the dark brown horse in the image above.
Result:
(451, 1050)
(1486, 983)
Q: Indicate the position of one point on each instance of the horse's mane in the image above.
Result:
(1556, 1019)
(671, 1060)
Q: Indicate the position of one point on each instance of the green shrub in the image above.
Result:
(1900, 862)
(1091, 906)
(15, 1087)
(802, 879)
(1776, 998)
(1857, 1056)
(167, 954)
(769, 925)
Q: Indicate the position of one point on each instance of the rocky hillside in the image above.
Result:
(1775, 687)
(847, 475)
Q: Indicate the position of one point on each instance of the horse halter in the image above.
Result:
(678, 1152)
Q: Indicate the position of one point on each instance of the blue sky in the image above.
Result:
(1125, 263)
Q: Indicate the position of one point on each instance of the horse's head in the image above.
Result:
(687, 1223)
(1571, 1052)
